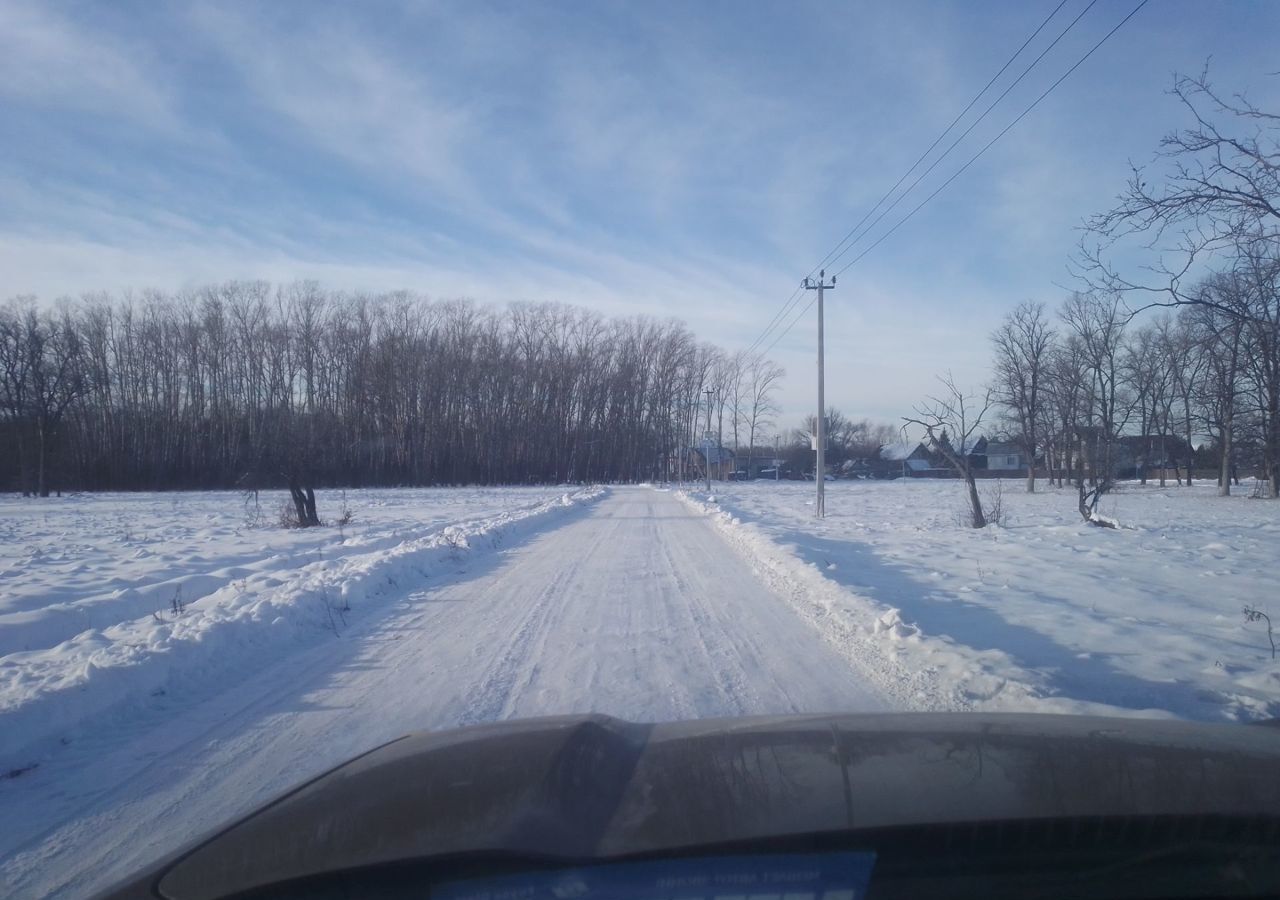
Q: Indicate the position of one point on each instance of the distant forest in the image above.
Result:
(247, 384)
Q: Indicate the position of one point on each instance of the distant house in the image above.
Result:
(1002, 456)
(761, 464)
(721, 462)
(899, 460)
(976, 451)
(855, 468)
(985, 458)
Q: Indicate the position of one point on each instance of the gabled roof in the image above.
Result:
(900, 451)
(974, 445)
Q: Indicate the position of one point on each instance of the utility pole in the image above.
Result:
(706, 443)
(681, 449)
(720, 431)
(820, 473)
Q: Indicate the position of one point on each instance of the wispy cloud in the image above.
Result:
(669, 159)
(50, 60)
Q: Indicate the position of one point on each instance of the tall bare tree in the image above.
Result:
(1097, 324)
(1186, 360)
(1022, 344)
(761, 377)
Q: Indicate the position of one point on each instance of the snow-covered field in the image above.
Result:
(108, 599)
(128, 727)
(1044, 613)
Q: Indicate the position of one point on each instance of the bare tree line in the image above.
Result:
(1211, 221)
(1189, 356)
(1089, 393)
(249, 384)
(1204, 375)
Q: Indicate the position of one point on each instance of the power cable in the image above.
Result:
(976, 122)
(971, 161)
(988, 145)
(790, 301)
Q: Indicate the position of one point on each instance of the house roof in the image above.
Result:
(716, 455)
(1002, 448)
(899, 451)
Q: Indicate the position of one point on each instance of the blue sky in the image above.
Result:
(688, 159)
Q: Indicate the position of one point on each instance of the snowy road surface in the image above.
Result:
(633, 606)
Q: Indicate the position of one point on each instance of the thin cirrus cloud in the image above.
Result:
(668, 159)
(49, 59)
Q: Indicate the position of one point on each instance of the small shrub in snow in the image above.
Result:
(287, 517)
(1253, 614)
(177, 606)
(253, 516)
(345, 515)
(993, 504)
(328, 611)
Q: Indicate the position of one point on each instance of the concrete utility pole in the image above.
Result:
(706, 441)
(820, 473)
(720, 433)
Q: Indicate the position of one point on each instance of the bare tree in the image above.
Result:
(1257, 272)
(1221, 182)
(1065, 389)
(44, 376)
(1022, 344)
(1186, 361)
(952, 423)
(1143, 366)
(15, 380)
(761, 377)
(849, 439)
(1097, 324)
(1220, 338)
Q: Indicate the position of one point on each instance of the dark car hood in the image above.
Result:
(591, 787)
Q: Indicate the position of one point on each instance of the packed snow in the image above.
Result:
(131, 723)
(112, 599)
(1043, 613)
(625, 602)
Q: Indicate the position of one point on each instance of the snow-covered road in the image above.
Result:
(633, 606)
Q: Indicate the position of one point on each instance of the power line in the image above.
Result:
(795, 295)
(1002, 133)
(976, 122)
(956, 121)
(782, 311)
(971, 161)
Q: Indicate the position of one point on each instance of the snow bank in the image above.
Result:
(93, 560)
(1047, 614)
(232, 621)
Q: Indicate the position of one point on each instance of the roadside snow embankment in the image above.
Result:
(916, 672)
(1047, 614)
(45, 692)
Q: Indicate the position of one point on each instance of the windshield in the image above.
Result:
(388, 369)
